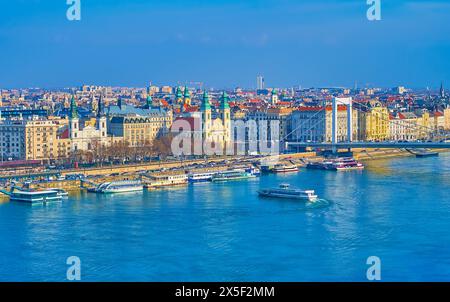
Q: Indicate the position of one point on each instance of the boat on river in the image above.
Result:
(123, 186)
(236, 174)
(284, 168)
(285, 191)
(34, 196)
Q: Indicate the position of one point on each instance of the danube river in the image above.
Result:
(397, 210)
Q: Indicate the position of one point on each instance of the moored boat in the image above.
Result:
(236, 174)
(285, 191)
(200, 176)
(345, 164)
(340, 164)
(427, 154)
(34, 196)
(166, 180)
(283, 168)
(123, 186)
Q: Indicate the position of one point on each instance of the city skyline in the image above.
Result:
(225, 44)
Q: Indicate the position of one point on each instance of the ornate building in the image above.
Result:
(210, 126)
(218, 129)
(85, 137)
(373, 122)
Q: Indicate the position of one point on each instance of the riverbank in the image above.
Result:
(129, 172)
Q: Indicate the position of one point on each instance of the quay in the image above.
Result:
(154, 175)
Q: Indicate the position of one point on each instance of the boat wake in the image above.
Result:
(317, 204)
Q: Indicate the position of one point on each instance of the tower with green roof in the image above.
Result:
(225, 116)
(73, 114)
(148, 102)
(101, 120)
(274, 96)
(205, 109)
(187, 96)
(178, 95)
(73, 119)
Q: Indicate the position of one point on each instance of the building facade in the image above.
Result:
(314, 124)
(84, 136)
(373, 122)
(32, 139)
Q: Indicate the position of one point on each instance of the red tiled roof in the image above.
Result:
(65, 134)
(318, 108)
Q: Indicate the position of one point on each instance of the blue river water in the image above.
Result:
(397, 210)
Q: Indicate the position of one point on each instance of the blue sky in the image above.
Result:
(224, 43)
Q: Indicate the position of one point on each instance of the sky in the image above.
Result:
(224, 43)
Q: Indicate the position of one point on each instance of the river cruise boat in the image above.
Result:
(34, 196)
(123, 186)
(345, 164)
(285, 191)
(283, 168)
(236, 174)
(201, 176)
(166, 180)
(319, 165)
(340, 164)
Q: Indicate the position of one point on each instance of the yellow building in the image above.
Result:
(33, 139)
(216, 130)
(447, 119)
(42, 141)
(424, 127)
(374, 123)
(140, 130)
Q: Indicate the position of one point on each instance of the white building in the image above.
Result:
(86, 137)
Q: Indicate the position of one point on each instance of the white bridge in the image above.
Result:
(379, 145)
(437, 142)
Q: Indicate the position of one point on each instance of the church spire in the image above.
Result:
(224, 101)
(73, 108)
(99, 106)
(187, 94)
(442, 91)
(149, 102)
(206, 105)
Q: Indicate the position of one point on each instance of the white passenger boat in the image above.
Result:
(34, 196)
(236, 174)
(201, 176)
(166, 180)
(282, 168)
(122, 186)
(285, 191)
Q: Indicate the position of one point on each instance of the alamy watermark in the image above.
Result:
(74, 11)
(236, 137)
(74, 271)
(374, 11)
(374, 271)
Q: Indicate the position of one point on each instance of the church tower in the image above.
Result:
(186, 97)
(74, 121)
(442, 91)
(179, 96)
(225, 116)
(206, 116)
(101, 119)
(148, 102)
(274, 97)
